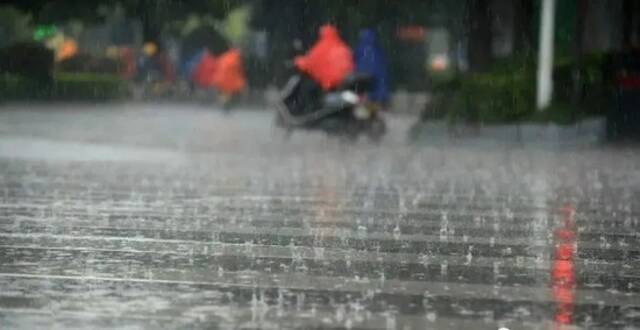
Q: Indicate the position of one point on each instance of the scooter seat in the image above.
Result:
(357, 82)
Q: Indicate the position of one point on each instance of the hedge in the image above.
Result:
(64, 87)
(498, 97)
(508, 92)
(27, 59)
(88, 86)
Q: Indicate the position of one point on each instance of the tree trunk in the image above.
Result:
(523, 34)
(627, 23)
(479, 35)
(152, 14)
(578, 54)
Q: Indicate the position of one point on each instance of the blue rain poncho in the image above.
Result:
(370, 59)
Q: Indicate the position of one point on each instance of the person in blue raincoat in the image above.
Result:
(191, 63)
(371, 59)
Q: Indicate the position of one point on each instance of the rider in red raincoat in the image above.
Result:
(330, 60)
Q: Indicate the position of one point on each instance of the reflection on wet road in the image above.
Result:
(111, 232)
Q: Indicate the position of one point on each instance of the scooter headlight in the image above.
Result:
(350, 97)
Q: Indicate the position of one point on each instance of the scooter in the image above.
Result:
(344, 112)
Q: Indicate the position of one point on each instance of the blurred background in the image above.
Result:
(476, 165)
(457, 62)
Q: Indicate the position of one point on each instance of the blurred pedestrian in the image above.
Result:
(229, 77)
(371, 60)
(68, 49)
(128, 59)
(148, 69)
(224, 73)
(155, 65)
(204, 68)
(155, 74)
(190, 64)
(166, 66)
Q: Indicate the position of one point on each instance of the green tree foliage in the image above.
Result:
(15, 26)
(154, 14)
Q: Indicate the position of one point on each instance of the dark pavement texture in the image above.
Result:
(179, 217)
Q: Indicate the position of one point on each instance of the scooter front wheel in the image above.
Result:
(282, 131)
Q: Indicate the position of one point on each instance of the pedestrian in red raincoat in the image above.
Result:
(128, 58)
(330, 60)
(205, 70)
(229, 77)
(224, 73)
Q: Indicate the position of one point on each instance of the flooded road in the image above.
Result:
(148, 217)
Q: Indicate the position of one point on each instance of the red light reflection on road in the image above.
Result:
(563, 273)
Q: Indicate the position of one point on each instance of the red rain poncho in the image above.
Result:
(229, 76)
(205, 70)
(225, 72)
(330, 61)
(128, 59)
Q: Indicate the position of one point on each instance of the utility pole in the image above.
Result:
(545, 56)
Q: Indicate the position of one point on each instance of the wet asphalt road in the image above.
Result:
(178, 217)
